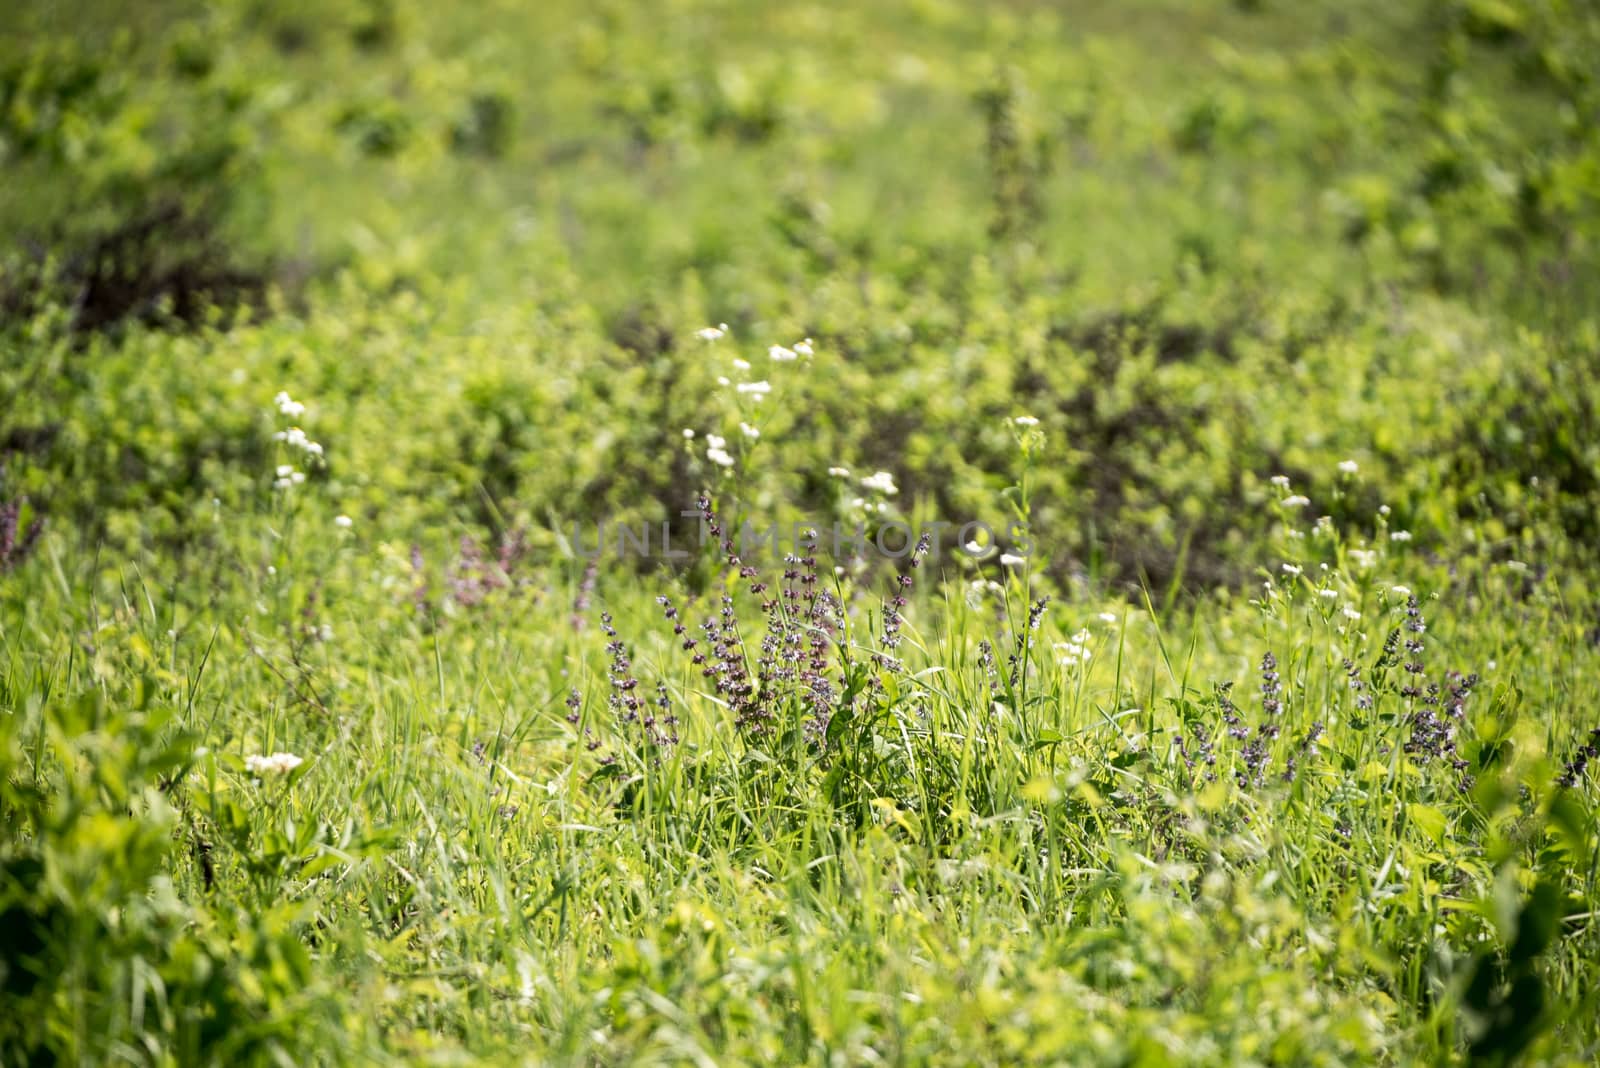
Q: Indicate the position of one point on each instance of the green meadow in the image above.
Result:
(1130, 483)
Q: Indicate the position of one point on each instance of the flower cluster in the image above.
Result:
(1074, 652)
(16, 544)
(286, 474)
(272, 764)
(1580, 761)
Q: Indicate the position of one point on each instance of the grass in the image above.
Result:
(1262, 734)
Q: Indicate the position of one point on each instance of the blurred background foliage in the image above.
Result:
(1199, 241)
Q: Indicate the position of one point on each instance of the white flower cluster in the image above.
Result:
(979, 590)
(272, 763)
(1074, 653)
(781, 354)
(880, 482)
(287, 475)
(717, 450)
(296, 438)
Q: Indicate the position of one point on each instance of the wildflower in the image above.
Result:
(721, 457)
(688, 434)
(839, 472)
(723, 380)
(1012, 560)
(1400, 535)
(1383, 509)
(1108, 617)
(758, 389)
(292, 408)
(343, 522)
(803, 348)
(1073, 653)
(882, 481)
(1281, 481)
(749, 431)
(1271, 686)
(741, 365)
(273, 764)
(1364, 558)
(781, 354)
(712, 333)
(1404, 591)
(1351, 613)
(1328, 594)
(1025, 420)
(1348, 467)
(972, 548)
(1295, 501)
(1291, 569)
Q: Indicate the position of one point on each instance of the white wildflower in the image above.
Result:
(723, 380)
(712, 333)
(1331, 595)
(1364, 558)
(1012, 560)
(1281, 481)
(1296, 501)
(716, 441)
(749, 431)
(1404, 591)
(781, 354)
(759, 389)
(1025, 420)
(839, 472)
(1400, 535)
(688, 434)
(1108, 617)
(803, 348)
(721, 457)
(1348, 467)
(272, 764)
(882, 481)
(343, 521)
(741, 365)
(1291, 569)
(292, 408)
(1073, 653)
